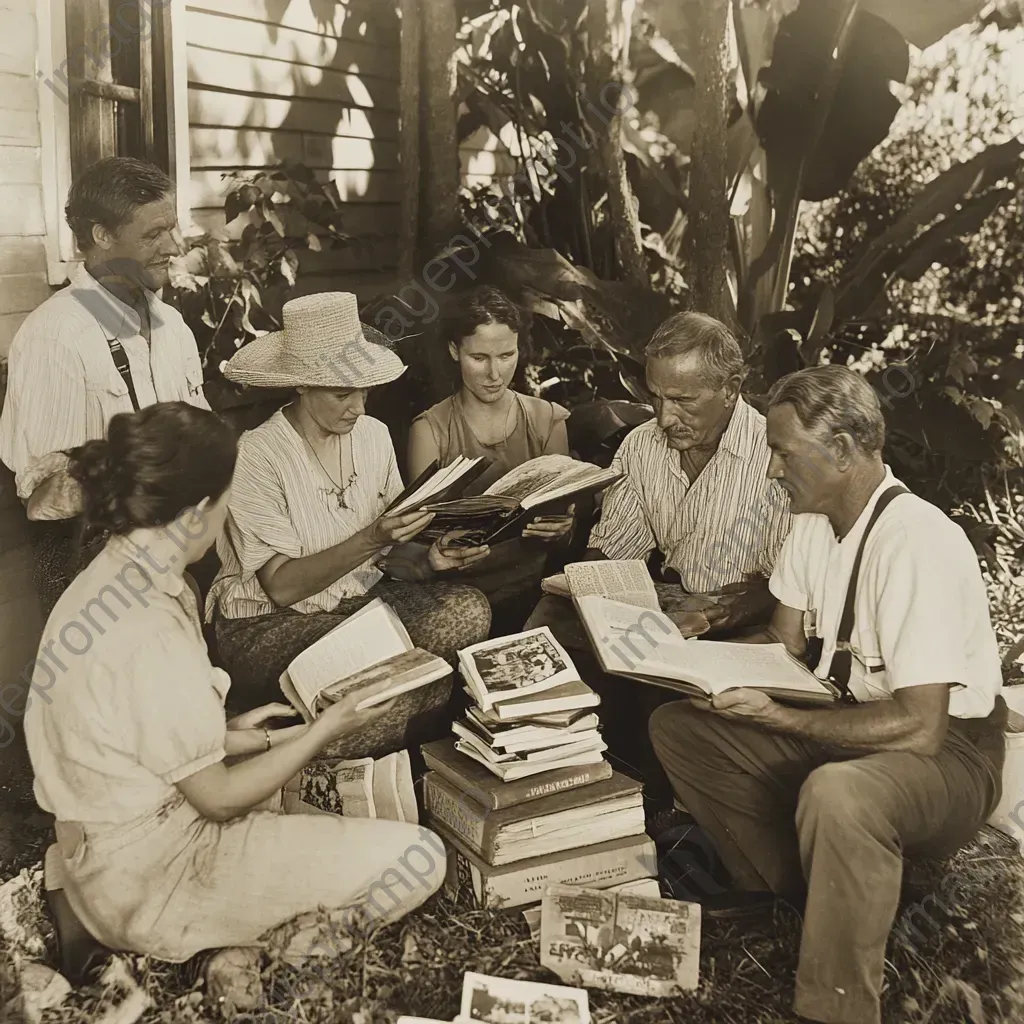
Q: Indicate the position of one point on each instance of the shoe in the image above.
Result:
(233, 979)
(80, 957)
(665, 823)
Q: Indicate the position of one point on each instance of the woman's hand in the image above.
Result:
(342, 718)
(443, 556)
(255, 718)
(550, 528)
(389, 530)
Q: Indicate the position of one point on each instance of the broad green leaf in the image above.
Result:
(928, 249)
(923, 22)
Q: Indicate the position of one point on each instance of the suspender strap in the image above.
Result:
(120, 357)
(842, 659)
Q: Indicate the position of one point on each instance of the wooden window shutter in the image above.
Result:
(110, 72)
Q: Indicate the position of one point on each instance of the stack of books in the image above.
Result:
(522, 794)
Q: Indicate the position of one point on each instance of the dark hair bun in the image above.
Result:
(153, 464)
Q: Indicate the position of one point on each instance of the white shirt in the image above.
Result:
(136, 707)
(921, 612)
(727, 525)
(283, 503)
(63, 387)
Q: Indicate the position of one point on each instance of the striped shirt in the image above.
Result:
(729, 525)
(283, 503)
(63, 387)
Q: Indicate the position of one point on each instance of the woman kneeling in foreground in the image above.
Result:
(163, 848)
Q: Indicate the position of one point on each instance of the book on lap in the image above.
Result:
(646, 645)
(369, 651)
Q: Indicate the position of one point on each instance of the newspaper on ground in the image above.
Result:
(507, 1001)
(620, 942)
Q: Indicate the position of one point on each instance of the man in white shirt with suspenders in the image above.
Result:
(882, 594)
(103, 345)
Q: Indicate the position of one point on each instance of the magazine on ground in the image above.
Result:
(377, 789)
(546, 485)
(620, 941)
(509, 1001)
(371, 650)
(648, 887)
(648, 646)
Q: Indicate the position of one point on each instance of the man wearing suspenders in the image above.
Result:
(881, 593)
(103, 345)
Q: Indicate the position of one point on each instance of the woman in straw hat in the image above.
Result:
(307, 541)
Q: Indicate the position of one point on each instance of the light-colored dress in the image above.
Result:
(283, 503)
(125, 704)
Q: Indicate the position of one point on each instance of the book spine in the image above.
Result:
(459, 816)
(482, 796)
(521, 791)
(516, 888)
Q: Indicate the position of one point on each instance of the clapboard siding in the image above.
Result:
(314, 83)
(23, 286)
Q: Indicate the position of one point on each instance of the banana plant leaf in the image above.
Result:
(923, 22)
(863, 106)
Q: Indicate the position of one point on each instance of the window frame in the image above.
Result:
(55, 128)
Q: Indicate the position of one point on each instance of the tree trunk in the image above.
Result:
(608, 27)
(439, 171)
(709, 210)
(409, 106)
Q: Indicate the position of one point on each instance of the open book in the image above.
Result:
(623, 579)
(543, 486)
(371, 650)
(434, 484)
(647, 645)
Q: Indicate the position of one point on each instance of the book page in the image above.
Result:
(724, 666)
(624, 636)
(626, 580)
(531, 476)
(372, 635)
(437, 483)
(570, 483)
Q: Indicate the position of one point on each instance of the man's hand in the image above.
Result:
(742, 703)
(389, 530)
(550, 528)
(443, 556)
(255, 718)
(739, 604)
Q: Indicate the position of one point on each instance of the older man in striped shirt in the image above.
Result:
(695, 493)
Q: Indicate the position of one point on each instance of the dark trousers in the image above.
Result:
(55, 557)
(796, 818)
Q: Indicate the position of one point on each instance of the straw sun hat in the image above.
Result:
(323, 345)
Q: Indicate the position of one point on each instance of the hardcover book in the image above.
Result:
(603, 811)
(370, 651)
(490, 792)
(542, 486)
(522, 883)
(647, 645)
